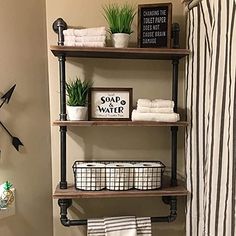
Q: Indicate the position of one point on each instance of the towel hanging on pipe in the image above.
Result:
(120, 226)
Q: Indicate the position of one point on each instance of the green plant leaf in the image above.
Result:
(119, 18)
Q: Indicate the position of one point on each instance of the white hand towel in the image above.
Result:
(157, 103)
(144, 226)
(69, 38)
(68, 32)
(96, 227)
(90, 44)
(101, 38)
(159, 117)
(90, 31)
(120, 226)
(155, 110)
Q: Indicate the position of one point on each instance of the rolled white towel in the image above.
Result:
(157, 103)
(101, 38)
(155, 110)
(69, 38)
(68, 32)
(160, 117)
(90, 44)
(98, 31)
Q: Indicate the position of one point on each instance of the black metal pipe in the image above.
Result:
(66, 203)
(63, 182)
(63, 116)
(175, 64)
(58, 26)
(174, 130)
(62, 75)
(175, 35)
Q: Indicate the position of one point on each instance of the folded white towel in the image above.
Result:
(144, 226)
(155, 110)
(156, 103)
(99, 31)
(90, 44)
(69, 38)
(160, 117)
(69, 43)
(68, 32)
(101, 38)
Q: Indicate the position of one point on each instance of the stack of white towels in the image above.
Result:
(159, 110)
(90, 37)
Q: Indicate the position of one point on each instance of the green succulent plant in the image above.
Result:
(77, 92)
(119, 18)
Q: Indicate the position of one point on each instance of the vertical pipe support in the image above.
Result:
(174, 130)
(63, 129)
(58, 26)
(175, 35)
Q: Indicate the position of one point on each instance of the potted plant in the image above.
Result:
(77, 93)
(119, 19)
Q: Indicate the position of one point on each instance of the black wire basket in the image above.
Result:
(118, 175)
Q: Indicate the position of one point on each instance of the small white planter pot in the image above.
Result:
(120, 40)
(77, 113)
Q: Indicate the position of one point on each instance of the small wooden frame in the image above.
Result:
(110, 104)
(154, 25)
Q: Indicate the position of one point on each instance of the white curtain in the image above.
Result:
(211, 108)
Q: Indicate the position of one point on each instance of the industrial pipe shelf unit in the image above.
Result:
(62, 52)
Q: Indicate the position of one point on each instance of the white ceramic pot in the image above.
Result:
(77, 113)
(120, 40)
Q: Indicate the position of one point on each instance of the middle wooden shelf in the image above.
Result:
(120, 123)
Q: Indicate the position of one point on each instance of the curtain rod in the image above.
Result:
(190, 4)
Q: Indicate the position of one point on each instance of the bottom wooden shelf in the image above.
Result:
(72, 193)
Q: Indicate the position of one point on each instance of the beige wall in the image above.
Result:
(24, 61)
(149, 79)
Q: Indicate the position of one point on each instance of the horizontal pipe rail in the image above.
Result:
(66, 203)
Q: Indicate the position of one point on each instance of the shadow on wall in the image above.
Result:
(116, 142)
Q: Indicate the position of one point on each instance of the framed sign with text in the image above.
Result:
(154, 25)
(110, 103)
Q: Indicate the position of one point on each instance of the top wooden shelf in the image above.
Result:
(120, 53)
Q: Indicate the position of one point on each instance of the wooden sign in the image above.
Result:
(154, 25)
(110, 104)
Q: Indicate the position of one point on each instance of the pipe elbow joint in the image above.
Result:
(65, 222)
(172, 217)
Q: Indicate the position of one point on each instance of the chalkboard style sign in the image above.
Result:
(110, 104)
(154, 25)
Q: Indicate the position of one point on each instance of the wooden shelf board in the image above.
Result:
(119, 123)
(120, 53)
(72, 193)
